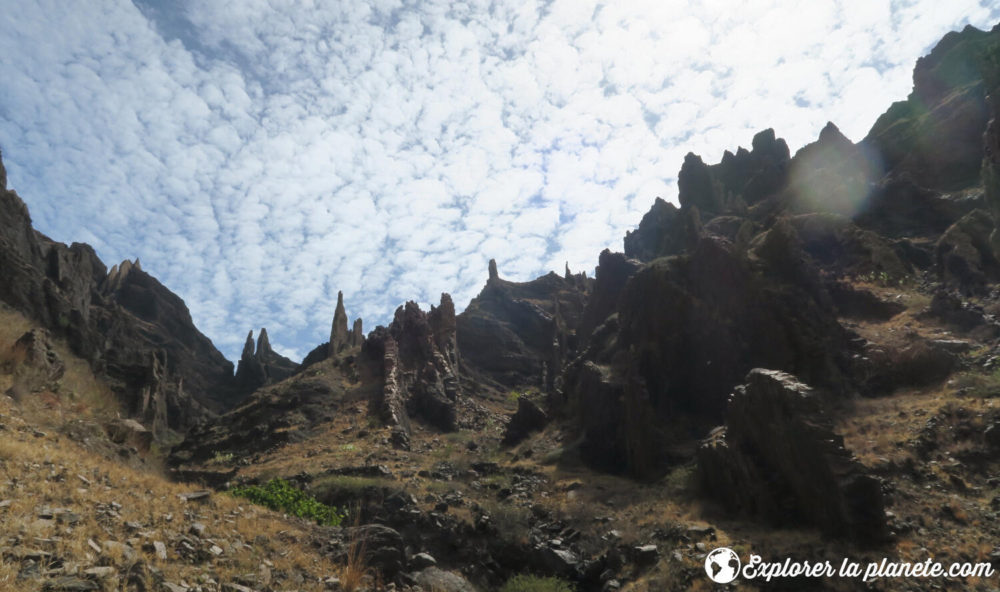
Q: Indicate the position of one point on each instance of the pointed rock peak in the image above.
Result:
(568, 275)
(338, 332)
(831, 133)
(3, 174)
(248, 347)
(137, 265)
(125, 267)
(493, 270)
(263, 343)
(357, 333)
(446, 304)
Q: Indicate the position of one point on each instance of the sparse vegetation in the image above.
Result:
(278, 494)
(530, 583)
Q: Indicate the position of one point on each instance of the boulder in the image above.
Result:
(528, 418)
(130, 433)
(439, 580)
(383, 548)
(34, 362)
(778, 458)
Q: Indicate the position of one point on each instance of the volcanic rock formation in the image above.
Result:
(778, 458)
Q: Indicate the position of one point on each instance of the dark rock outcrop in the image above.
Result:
(964, 256)
(687, 330)
(935, 135)
(664, 230)
(778, 458)
(613, 271)
(272, 416)
(416, 360)
(519, 334)
(529, 417)
(261, 365)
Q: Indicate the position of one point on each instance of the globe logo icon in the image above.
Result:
(722, 565)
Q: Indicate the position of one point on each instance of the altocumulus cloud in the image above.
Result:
(261, 155)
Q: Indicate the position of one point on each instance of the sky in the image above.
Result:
(259, 156)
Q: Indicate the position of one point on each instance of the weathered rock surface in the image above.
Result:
(778, 458)
(416, 359)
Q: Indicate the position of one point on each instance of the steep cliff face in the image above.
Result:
(134, 331)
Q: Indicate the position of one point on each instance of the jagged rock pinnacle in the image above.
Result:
(248, 347)
(3, 174)
(357, 333)
(493, 270)
(338, 332)
(263, 344)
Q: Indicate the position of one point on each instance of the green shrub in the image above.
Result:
(281, 495)
(526, 583)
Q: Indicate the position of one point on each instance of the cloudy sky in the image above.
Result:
(261, 155)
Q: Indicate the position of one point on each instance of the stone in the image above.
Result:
(421, 561)
(383, 548)
(440, 580)
(562, 562)
(528, 418)
(646, 554)
(129, 432)
(991, 435)
(778, 458)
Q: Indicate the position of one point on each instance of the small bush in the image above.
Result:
(281, 495)
(526, 583)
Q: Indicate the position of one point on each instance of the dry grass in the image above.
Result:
(122, 511)
(79, 393)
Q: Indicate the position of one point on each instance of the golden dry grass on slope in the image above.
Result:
(64, 511)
